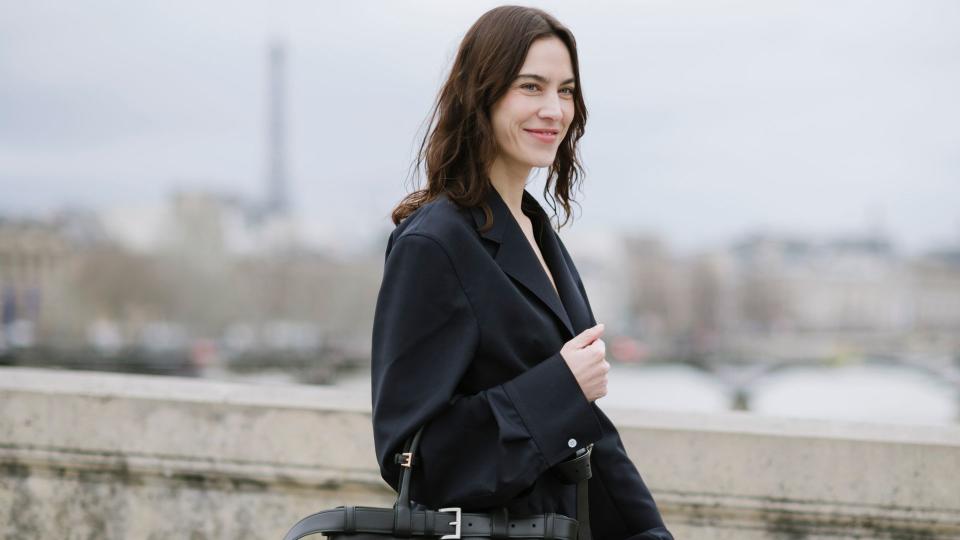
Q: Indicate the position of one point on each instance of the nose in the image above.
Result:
(551, 109)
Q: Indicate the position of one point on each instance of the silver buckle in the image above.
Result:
(455, 523)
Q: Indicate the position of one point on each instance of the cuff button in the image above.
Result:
(572, 443)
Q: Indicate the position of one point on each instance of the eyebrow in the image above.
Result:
(540, 78)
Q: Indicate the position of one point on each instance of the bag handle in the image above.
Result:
(408, 456)
(402, 511)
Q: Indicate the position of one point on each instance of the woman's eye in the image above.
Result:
(533, 87)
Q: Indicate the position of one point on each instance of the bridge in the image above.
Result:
(741, 377)
(112, 456)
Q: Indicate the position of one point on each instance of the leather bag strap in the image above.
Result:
(381, 520)
(577, 470)
(583, 511)
(402, 512)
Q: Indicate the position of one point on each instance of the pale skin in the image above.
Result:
(529, 123)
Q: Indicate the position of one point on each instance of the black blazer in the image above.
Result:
(466, 338)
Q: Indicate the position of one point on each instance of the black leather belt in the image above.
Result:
(402, 521)
(361, 519)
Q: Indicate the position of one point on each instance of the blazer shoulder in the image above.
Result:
(441, 219)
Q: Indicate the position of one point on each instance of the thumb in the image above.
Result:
(588, 336)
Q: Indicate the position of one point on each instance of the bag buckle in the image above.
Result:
(407, 459)
(455, 523)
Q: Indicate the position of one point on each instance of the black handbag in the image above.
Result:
(402, 521)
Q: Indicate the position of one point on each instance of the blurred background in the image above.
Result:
(770, 220)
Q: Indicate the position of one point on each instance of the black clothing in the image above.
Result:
(466, 337)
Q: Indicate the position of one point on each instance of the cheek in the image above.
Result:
(506, 123)
(569, 112)
(502, 131)
(497, 121)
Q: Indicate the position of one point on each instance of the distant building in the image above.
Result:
(935, 281)
(838, 285)
(278, 199)
(33, 254)
(203, 224)
(770, 295)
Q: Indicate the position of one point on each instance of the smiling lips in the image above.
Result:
(544, 135)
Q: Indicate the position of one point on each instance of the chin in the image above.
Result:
(545, 163)
(541, 160)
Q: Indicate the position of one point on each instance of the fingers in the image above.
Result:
(600, 347)
(588, 336)
(586, 354)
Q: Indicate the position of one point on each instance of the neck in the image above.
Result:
(509, 179)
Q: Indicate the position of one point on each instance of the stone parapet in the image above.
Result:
(109, 456)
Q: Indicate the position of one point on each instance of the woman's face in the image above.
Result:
(532, 118)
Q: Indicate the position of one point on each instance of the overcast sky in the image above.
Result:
(708, 119)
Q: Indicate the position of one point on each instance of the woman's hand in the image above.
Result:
(585, 354)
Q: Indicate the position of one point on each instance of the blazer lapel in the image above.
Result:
(516, 257)
(576, 307)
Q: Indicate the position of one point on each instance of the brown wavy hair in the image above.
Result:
(459, 145)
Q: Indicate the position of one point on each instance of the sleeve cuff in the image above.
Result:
(554, 409)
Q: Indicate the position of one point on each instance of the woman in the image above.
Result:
(483, 333)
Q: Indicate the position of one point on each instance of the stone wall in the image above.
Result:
(107, 456)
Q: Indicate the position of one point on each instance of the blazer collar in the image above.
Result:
(516, 257)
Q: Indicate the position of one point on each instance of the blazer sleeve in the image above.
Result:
(479, 450)
(621, 506)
